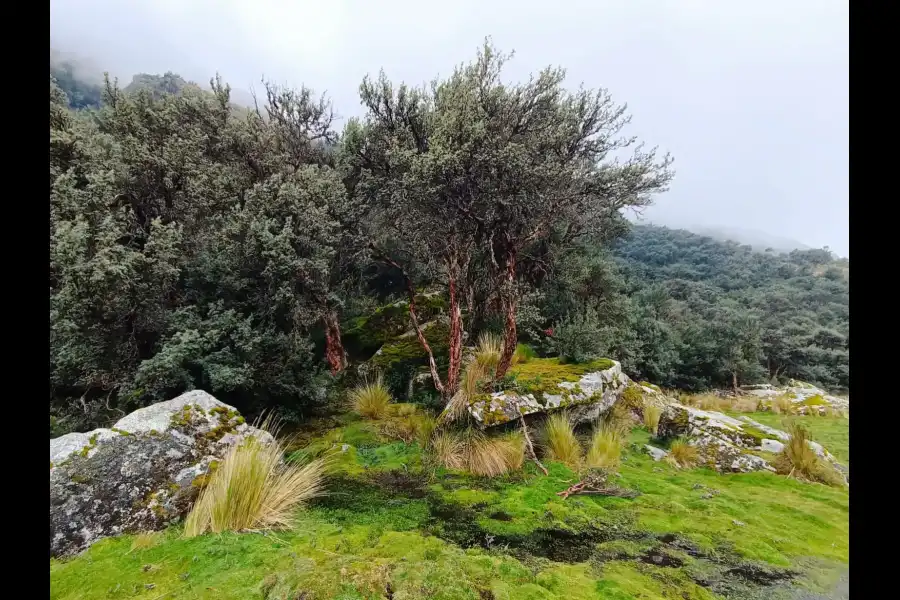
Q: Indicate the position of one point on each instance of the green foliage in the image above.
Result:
(578, 338)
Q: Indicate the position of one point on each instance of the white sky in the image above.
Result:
(751, 98)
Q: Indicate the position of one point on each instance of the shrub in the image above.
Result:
(559, 440)
(682, 455)
(651, 417)
(578, 337)
(253, 488)
(605, 448)
(371, 400)
(799, 460)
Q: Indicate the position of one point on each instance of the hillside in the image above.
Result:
(783, 315)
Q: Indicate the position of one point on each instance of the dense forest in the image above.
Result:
(197, 245)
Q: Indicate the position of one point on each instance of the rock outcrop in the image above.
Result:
(593, 393)
(728, 444)
(722, 441)
(804, 396)
(141, 474)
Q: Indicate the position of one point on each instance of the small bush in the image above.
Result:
(578, 337)
(606, 448)
(253, 488)
(651, 417)
(371, 400)
(559, 440)
(799, 460)
(682, 455)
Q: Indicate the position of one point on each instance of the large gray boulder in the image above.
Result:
(140, 475)
(584, 400)
(805, 397)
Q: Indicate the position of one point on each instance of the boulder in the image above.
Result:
(140, 475)
(592, 394)
(722, 441)
(804, 396)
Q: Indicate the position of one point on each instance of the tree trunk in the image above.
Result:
(334, 348)
(734, 382)
(510, 337)
(455, 342)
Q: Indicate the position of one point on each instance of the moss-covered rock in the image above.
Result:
(402, 358)
(544, 384)
(363, 336)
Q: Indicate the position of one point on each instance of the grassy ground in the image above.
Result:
(391, 528)
(831, 432)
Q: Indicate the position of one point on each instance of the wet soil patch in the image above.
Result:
(661, 558)
(500, 516)
(401, 483)
(761, 574)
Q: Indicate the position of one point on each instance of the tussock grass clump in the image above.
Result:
(145, 540)
(471, 381)
(605, 448)
(559, 439)
(371, 399)
(682, 455)
(472, 451)
(487, 353)
(253, 488)
(782, 405)
(652, 413)
(523, 354)
(800, 461)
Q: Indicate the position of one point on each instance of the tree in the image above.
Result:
(471, 166)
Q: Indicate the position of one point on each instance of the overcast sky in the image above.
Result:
(750, 97)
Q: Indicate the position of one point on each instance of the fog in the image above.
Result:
(751, 98)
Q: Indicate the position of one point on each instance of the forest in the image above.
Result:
(246, 252)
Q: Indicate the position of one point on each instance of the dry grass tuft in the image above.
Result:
(800, 461)
(472, 379)
(782, 405)
(652, 414)
(487, 353)
(682, 455)
(606, 448)
(745, 404)
(409, 428)
(145, 540)
(472, 451)
(559, 440)
(254, 488)
(371, 400)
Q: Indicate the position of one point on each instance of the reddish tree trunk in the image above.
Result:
(455, 342)
(510, 336)
(334, 348)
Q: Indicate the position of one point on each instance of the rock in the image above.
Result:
(656, 453)
(773, 446)
(142, 474)
(738, 523)
(593, 394)
(723, 442)
(805, 396)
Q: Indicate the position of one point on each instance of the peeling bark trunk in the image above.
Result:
(334, 348)
(734, 382)
(455, 342)
(510, 336)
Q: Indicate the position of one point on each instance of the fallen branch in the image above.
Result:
(529, 445)
(595, 484)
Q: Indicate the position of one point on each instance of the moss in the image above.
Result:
(404, 355)
(364, 335)
(543, 375)
(121, 431)
(814, 400)
(633, 397)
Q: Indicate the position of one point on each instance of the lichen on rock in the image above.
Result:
(140, 475)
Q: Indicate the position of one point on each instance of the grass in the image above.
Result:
(651, 417)
(371, 399)
(682, 455)
(605, 448)
(254, 488)
(559, 441)
(352, 542)
(474, 452)
(800, 461)
(488, 350)
(833, 433)
(523, 353)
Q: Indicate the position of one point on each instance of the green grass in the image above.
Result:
(831, 432)
(351, 543)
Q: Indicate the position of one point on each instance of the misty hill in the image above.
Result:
(758, 240)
